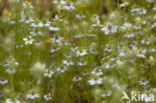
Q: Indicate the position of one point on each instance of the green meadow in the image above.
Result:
(77, 51)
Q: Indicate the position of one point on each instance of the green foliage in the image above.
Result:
(82, 51)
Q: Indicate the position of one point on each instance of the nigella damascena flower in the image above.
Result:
(69, 7)
(57, 18)
(144, 82)
(93, 51)
(2, 82)
(28, 40)
(51, 28)
(56, 39)
(95, 81)
(150, 1)
(141, 55)
(153, 25)
(47, 24)
(77, 79)
(63, 2)
(32, 96)
(11, 71)
(154, 9)
(106, 94)
(126, 26)
(48, 73)
(80, 16)
(106, 30)
(68, 63)
(131, 35)
(124, 4)
(97, 72)
(138, 11)
(108, 49)
(48, 97)
(79, 35)
(40, 24)
(109, 29)
(34, 25)
(82, 63)
(9, 100)
(62, 69)
(81, 53)
(54, 50)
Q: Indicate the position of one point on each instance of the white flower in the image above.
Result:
(124, 4)
(51, 28)
(97, 73)
(69, 7)
(8, 101)
(80, 16)
(93, 81)
(33, 25)
(31, 19)
(154, 9)
(141, 55)
(143, 82)
(107, 66)
(47, 24)
(144, 51)
(92, 50)
(11, 101)
(62, 2)
(114, 29)
(130, 35)
(154, 17)
(33, 33)
(108, 49)
(138, 11)
(27, 21)
(99, 81)
(82, 63)
(10, 71)
(81, 53)
(121, 54)
(126, 26)
(48, 97)
(54, 49)
(55, 2)
(40, 24)
(153, 50)
(62, 69)
(40, 33)
(106, 30)
(17, 101)
(112, 59)
(48, 73)
(120, 63)
(57, 39)
(2, 82)
(68, 63)
(144, 22)
(79, 35)
(29, 40)
(77, 79)
(32, 96)
(154, 25)
(106, 94)
(150, 1)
